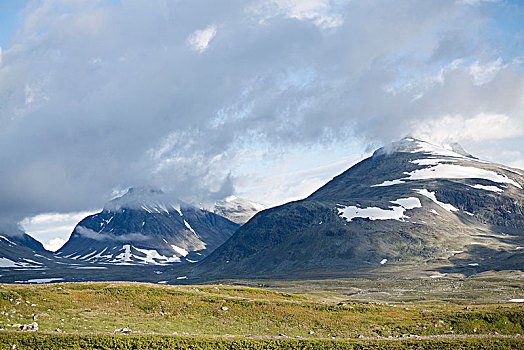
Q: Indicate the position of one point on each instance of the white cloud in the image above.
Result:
(481, 127)
(199, 40)
(116, 97)
(45, 227)
(510, 157)
(486, 126)
(54, 244)
(476, 2)
(321, 12)
(55, 218)
(295, 175)
(484, 73)
(517, 163)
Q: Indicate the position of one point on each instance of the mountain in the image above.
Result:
(412, 206)
(237, 209)
(19, 250)
(21, 255)
(146, 226)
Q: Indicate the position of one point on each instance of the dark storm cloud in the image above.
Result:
(96, 96)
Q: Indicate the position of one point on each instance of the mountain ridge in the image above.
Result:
(412, 207)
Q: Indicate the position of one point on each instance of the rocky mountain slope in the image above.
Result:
(24, 259)
(19, 250)
(411, 205)
(145, 226)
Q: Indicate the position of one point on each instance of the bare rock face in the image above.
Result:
(411, 206)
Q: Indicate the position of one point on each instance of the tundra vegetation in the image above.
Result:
(344, 314)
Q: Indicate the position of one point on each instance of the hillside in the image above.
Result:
(412, 205)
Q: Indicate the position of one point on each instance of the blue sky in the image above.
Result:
(265, 99)
(9, 19)
(508, 27)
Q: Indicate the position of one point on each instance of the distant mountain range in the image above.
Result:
(412, 205)
(137, 236)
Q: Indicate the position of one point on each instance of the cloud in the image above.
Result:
(49, 226)
(199, 39)
(481, 127)
(96, 97)
(9, 227)
(128, 237)
(321, 12)
(476, 2)
(483, 73)
(294, 175)
(54, 218)
(54, 244)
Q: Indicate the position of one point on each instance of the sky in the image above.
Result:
(265, 99)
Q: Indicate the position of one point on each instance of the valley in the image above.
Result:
(417, 246)
(283, 312)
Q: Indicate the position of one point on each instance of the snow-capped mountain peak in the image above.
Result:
(147, 226)
(413, 203)
(150, 199)
(413, 145)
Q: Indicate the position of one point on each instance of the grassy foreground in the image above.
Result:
(253, 315)
(53, 341)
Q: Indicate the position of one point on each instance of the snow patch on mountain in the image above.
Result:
(132, 255)
(179, 250)
(431, 195)
(430, 161)
(189, 227)
(100, 255)
(390, 183)
(451, 171)
(449, 150)
(124, 258)
(153, 257)
(411, 145)
(408, 203)
(375, 213)
(5, 262)
(487, 188)
(7, 240)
